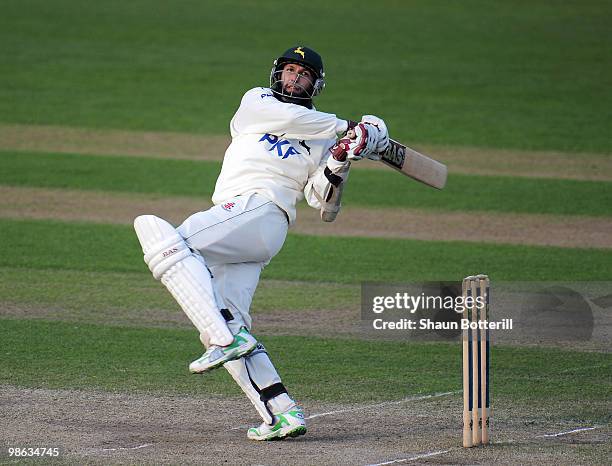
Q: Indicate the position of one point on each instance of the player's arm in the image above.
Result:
(323, 190)
(260, 112)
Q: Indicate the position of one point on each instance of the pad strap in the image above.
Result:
(165, 254)
(272, 391)
(227, 315)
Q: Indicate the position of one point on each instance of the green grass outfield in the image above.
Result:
(114, 248)
(372, 188)
(513, 74)
(84, 295)
(59, 354)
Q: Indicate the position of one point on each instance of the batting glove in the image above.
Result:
(360, 142)
(383, 134)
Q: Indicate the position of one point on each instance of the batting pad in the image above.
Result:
(259, 380)
(239, 372)
(184, 274)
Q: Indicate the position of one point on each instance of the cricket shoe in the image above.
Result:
(215, 356)
(290, 423)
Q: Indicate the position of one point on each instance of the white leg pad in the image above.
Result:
(257, 377)
(185, 275)
(238, 370)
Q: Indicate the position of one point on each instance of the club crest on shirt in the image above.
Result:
(228, 206)
(277, 146)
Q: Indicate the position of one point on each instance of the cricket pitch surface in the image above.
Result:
(99, 427)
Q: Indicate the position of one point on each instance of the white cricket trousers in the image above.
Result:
(237, 239)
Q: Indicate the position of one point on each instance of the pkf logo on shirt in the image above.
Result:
(280, 145)
(228, 206)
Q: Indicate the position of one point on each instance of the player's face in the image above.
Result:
(297, 79)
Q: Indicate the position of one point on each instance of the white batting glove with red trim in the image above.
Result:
(361, 142)
(383, 134)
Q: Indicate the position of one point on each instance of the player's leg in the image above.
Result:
(247, 229)
(255, 373)
(185, 275)
(260, 381)
(236, 256)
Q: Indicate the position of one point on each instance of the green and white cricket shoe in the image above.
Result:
(215, 356)
(291, 423)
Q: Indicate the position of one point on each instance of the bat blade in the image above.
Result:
(415, 165)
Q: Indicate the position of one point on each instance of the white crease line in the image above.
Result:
(436, 453)
(582, 368)
(412, 458)
(127, 448)
(559, 434)
(366, 407)
(385, 403)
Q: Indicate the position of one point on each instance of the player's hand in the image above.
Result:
(366, 139)
(383, 134)
(361, 142)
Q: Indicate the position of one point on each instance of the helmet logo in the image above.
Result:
(300, 51)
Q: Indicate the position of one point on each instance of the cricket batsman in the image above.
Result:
(282, 150)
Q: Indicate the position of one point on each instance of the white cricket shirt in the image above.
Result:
(276, 147)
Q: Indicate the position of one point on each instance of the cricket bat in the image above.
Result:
(412, 163)
(415, 165)
(406, 161)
